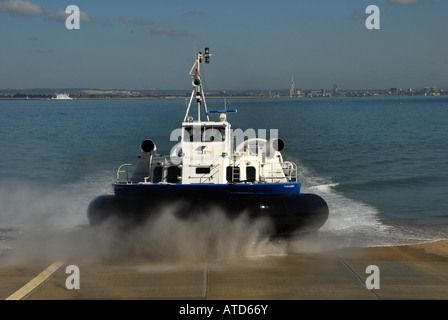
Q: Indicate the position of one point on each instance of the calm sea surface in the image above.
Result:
(380, 162)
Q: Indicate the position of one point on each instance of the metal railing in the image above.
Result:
(290, 171)
(121, 171)
(287, 170)
(206, 178)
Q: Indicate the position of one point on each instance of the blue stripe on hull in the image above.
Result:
(259, 188)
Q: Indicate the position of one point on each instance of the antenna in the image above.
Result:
(195, 73)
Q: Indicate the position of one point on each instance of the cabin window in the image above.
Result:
(203, 170)
(251, 174)
(204, 134)
(213, 134)
(173, 174)
(192, 134)
(157, 175)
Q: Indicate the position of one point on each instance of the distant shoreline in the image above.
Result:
(213, 97)
(86, 93)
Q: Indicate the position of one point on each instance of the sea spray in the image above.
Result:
(209, 235)
(44, 222)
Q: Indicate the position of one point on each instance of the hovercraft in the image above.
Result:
(213, 166)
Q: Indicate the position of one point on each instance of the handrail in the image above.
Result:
(207, 176)
(290, 172)
(126, 165)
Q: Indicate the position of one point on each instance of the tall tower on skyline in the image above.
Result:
(335, 89)
(292, 88)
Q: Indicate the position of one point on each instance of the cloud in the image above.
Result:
(405, 2)
(21, 8)
(62, 16)
(133, 20)
(357, 16)
(167, 31)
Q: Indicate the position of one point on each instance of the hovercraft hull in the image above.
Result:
(289, 213)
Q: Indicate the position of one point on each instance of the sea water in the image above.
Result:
(381, 163)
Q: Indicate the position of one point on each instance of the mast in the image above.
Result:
(198, 91)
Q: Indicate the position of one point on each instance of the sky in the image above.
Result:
(256, 44)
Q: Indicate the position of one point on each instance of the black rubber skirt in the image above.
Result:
(289, 214)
